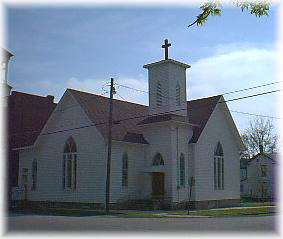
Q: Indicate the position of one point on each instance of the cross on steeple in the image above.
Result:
(166, 46)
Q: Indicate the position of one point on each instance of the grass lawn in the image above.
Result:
(143, 214)
(228, 212)
(232, 212)
(254, 209)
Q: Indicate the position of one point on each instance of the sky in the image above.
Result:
(83, 47)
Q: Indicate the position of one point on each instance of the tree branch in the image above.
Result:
(213, 8)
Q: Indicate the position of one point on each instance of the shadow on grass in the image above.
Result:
(62, 212)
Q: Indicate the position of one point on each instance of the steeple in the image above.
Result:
(167, 85)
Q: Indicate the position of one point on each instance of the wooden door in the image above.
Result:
(158, 184)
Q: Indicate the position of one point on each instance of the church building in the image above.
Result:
(165, 154)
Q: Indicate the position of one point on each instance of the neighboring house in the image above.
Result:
(243, 173)
(259, 177)
(26, 116)
(155, 149)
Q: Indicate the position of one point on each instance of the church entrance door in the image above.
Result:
(158, 184)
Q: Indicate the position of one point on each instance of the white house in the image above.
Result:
(156, 149)
(258, 179)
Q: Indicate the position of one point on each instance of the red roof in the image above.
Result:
(27, 114)
(96, 107)
(162, 117)
(199, 112)
(127, 116)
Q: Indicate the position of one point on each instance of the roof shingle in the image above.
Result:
(27, 115)
(127, 116)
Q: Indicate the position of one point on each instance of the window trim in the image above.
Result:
(218, 168)
(157, 160)
(69, 165)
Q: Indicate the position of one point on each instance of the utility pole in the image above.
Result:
(191, 183)
(109, 148)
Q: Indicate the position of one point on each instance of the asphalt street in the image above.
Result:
(33, 223)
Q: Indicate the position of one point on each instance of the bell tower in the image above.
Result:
(167, 85)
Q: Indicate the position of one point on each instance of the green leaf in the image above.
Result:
(216, 12)
(244, 5)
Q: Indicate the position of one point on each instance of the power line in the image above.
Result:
(250, 96)
(158, 114)
(121, 96)
(104, 93)
(143, 91)
(226, 93)
(264, 93)
(246, 113)
(250, 88)
(132, 88)
(72, 106)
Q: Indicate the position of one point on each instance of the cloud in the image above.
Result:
(231, 67)
(240, 67)
(131, 95)
(97, 86)
(231, 70)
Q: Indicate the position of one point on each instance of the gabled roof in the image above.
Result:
(96, 107)
(272, 156)
(27, 114)
(199, 112)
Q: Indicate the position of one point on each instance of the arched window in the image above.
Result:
(69, 179)
(157, 160)
(218, 167)
(34, 175)
(158, 94)
(70, 146)
(125, 170)
(178, 96)
(182, 170)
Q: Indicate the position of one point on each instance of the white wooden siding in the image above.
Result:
(91, 153)
(216, 129)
